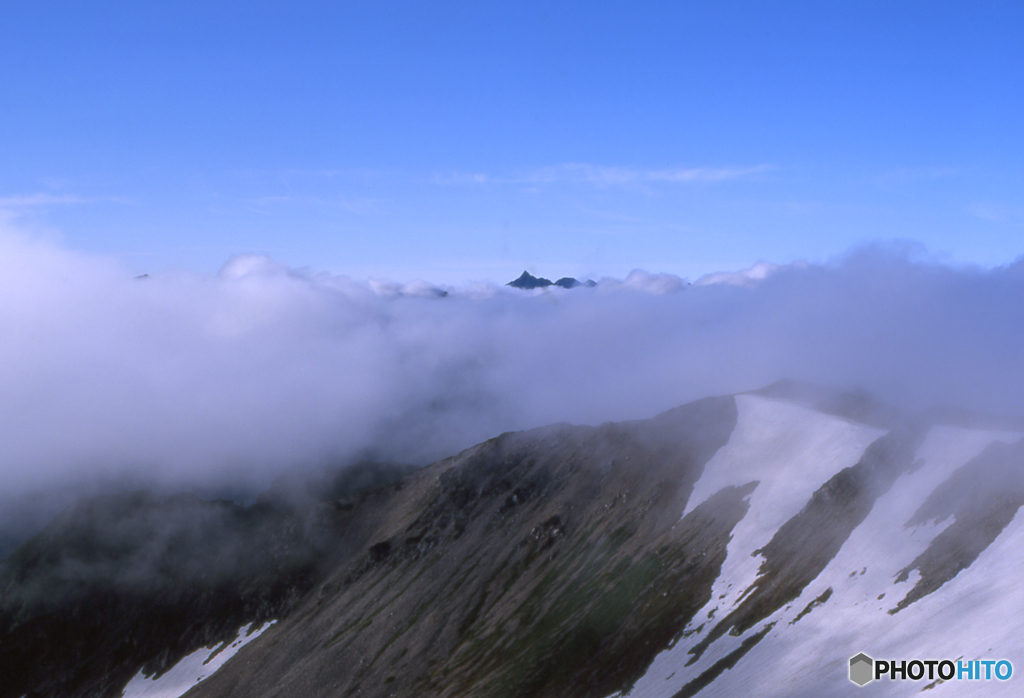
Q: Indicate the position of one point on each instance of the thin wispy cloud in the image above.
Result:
(357, 206)
(14, 206)
(293, 174)
(463, 178)
(41, 200)
(602, 176)
(617, 176)
(1012, 215)
(908, 175)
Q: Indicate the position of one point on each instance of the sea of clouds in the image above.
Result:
(190, 381)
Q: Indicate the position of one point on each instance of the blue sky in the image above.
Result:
(467, 141)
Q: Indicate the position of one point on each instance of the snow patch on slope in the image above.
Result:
(791, 451)
(970, 616)
(192, 669)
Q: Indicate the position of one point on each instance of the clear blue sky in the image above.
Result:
(459, 140)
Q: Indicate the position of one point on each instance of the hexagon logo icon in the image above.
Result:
(862, 669)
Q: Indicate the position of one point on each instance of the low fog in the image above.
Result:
(213, 383)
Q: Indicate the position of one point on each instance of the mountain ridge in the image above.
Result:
(568, 560)
(527, 281)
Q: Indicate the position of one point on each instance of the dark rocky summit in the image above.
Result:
(528, 282)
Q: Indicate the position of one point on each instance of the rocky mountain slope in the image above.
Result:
(742, 544)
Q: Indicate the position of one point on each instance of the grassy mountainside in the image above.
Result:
(528, 563)
(532, 564)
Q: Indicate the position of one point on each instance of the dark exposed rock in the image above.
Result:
(824, 597)
(727, 662)
(528, 281)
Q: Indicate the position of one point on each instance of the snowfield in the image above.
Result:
(791, 451)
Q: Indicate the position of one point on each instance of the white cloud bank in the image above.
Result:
(190, 380)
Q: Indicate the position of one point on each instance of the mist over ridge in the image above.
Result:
(194, 381)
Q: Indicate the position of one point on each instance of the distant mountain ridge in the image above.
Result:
(527, 281)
